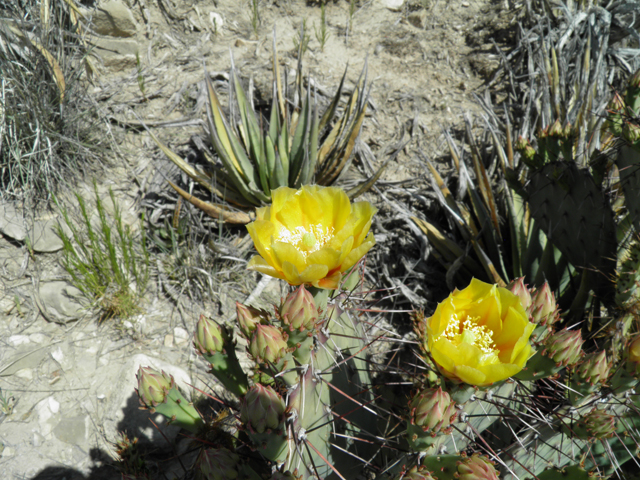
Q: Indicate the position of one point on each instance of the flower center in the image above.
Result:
(468, 331)
(307, 240)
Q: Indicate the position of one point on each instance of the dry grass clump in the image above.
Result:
(48, 131)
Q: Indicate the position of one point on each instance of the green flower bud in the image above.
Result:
(267, 344)
(209, 337)
(417, 472)
(564, 347)
(596, 424)
(518, 288)
(299, 310)
(631, 132)
(594, 369)
(432, 410)
(477, 467)
(616, 104)
(556, 129)
(218, 464)
(153, 387)
(262, 409)
(543, 309)
(249, 318)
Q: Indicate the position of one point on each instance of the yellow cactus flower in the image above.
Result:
(479, 335)
(311, 236)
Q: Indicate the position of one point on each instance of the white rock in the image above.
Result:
(216, 20)
(12, 222)
(393, 5)
(26, 373)
(16, 340)
(180, 335)
(62, 301)
(58, 355)
(38, 337)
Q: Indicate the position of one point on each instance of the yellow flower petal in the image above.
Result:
(479, 335)
(258, 264)
(311, 235)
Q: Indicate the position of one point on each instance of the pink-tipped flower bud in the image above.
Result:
(594, 369)
(616, 105)
(477, 467)
(299, 310)
(599, 424)
(209, 337)
(518, 288)
(218, 464)
(249, 318)
(432, 410)
(417, 472)
(556, 129)
(564, 347)
(153, 386)
(543, 309)
(267, 344)
(631, 132)
(262, 409)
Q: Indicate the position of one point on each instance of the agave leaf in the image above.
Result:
(214, 210)
(331, 110)
(252, 133)
(300, 142)
(217, 125)
(311, 163)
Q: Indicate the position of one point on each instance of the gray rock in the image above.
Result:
(117, 53)
(12, 223)
(43, 236)
(72, 430)
(114, 19)
(62, 302)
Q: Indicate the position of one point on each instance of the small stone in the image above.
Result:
(43, 237)
(117, 53)
(12, 222)
(114, 19)
(216, 20)
(418, 19)
(38, 337)
(58, 355)
(181, 336)
(62, 301)
(72, 430)
(16, 340)
(25, 373)
(465, 4)
(168, 340)
(393, 5)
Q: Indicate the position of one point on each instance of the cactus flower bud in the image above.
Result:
(543, 309)
(432, 410)
(299, 310)
(209, 337)
(267, 344)
(477, 467)
(262, 409)
(634, 350)
(634, 81)
(616, 104)
(218, 464)
(556, 129)
(153, 387)
(594, 369)
(564, 347)
(249, 318)
(417, 472)
(596, 424)
(518, 288)
(631, 132)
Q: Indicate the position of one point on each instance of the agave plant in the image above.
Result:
(293, 147)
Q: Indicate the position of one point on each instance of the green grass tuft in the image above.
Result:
(108, 263)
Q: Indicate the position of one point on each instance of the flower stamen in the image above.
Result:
(468, 331)
(306, 240)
